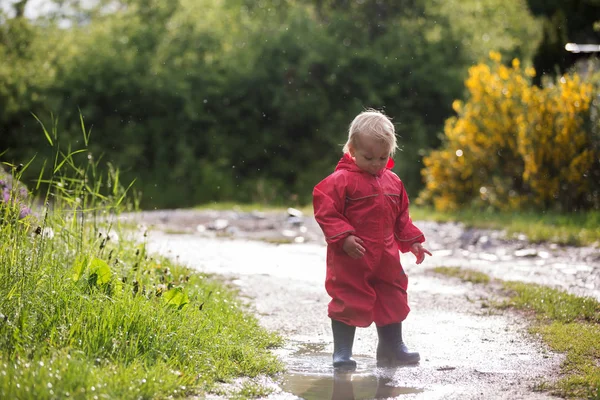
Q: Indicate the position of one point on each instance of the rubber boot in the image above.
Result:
(343, 339)
(391, 350)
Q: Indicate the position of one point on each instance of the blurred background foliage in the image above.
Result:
(249, 101)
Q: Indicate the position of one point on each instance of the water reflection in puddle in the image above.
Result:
(343, 386)
(311, 377)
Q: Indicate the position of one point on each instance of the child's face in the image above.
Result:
(370, 155)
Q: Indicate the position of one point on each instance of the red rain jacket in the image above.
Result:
(375, 209)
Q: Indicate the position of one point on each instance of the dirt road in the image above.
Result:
(468, 351)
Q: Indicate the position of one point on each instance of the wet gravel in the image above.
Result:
(468, 350)
(574, 269)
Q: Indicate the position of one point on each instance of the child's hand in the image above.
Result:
(419, 251)
(353, 246)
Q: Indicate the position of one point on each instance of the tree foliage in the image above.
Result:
(205, 100)
(483, 25)
(564, 21)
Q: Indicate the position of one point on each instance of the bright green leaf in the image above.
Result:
(80, 265)
(102, 270)
(176, 297)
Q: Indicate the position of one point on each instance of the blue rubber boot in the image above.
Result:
(343, 339)
(391, 350)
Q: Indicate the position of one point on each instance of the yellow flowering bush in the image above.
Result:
(555, 144)
(513, 144)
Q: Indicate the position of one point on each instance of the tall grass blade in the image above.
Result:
(86, 138)
(67, 158)
(46, 133)
(124, 193)
(116, 182)
(39, 179)
(20, 173)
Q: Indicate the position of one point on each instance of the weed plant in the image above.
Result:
(86, 312)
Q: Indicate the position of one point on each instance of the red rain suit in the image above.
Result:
(375, 209)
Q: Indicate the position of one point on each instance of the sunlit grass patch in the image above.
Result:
(119, 325)
(553, 304)
(86, 312)
(466, 275)
(277, 240)
(567, 323)
(580, 342)
(251, 390)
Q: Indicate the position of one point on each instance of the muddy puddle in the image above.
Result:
(310, 376)
(468, 351)
(344, 386)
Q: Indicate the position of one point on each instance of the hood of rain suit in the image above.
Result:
(348, 163)
(352, 201)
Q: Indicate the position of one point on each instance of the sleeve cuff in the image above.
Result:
(404, 244)
(338, 239)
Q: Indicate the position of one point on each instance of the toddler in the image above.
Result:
(362, 209)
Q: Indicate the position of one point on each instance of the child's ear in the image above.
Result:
(351, 149)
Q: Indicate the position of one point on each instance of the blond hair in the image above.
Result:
(372, 123)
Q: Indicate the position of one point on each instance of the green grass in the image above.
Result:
(567, 323)
(574, 229)
(85, 313)
(466, 275)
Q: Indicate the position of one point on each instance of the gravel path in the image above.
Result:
(468, 351)
(574, 269)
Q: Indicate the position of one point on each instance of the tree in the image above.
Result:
(27, 52)
(244, 100)
(564, 21)
(491, 25)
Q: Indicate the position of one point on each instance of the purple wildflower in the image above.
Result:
(25, 211)
(12, 197)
